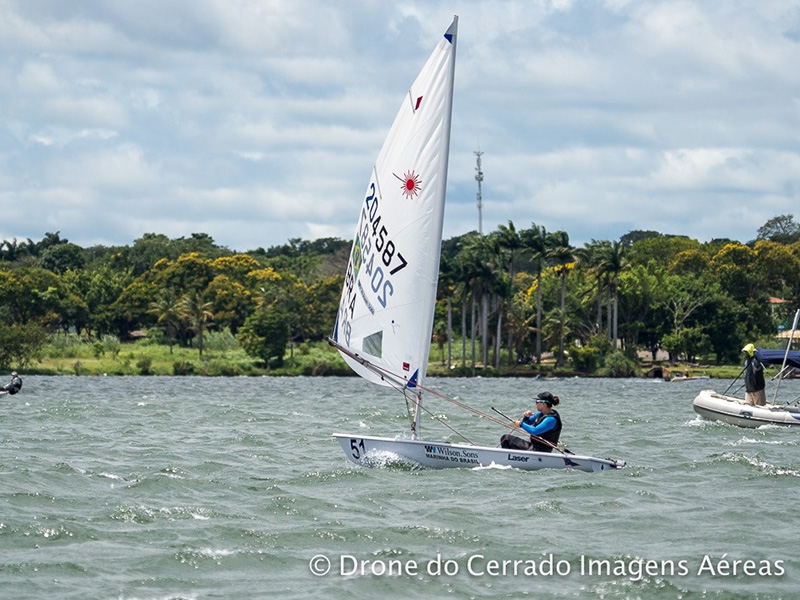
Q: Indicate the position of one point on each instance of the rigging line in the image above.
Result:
(394, 377)
(394, 380)
(511, 427)
(398, 379)
(450, 427)
(400, 384)
(467, 407)
(734, 381)
(402, 389)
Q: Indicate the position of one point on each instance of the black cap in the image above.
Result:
(545, 397)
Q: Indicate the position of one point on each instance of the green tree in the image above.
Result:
(482, 274)
(190, 272)
(662, 249)
(724, 328)
(510, 243)
(130, 310)
(196, 310)
(73, 310)
(265, 335)
(535, 243)
(686, 296)
(563, 256)
(445, 290)
(690, 262)
(61, 258)
(104, 286)
(779, 271)
(590, 261)
(319, 312)
(782, 229)
(146, 252)
(734, 265)
(613, 261)
(167, 311)
(151, 248)
(20, 343)
(31, 294)
(13, 251)
(231, 302)
(643, 307)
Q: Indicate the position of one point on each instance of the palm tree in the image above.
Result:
(562, 255)
(194, 308)
(501, 288)
(613, 260)
(535, 242)
(590, 260)
(461, 277)
(478, 268)
(167, 311)
(511, 242)
(445, 289)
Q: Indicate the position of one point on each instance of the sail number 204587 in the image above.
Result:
(373, 232)
(373, 264)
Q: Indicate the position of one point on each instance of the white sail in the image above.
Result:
(386, 310)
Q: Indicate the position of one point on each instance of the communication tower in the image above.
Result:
(479, 179)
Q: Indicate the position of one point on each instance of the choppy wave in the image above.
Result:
(762, 465)
(150, 488)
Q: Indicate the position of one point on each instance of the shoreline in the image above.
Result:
(316, 359)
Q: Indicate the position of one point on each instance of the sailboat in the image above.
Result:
(385, 316)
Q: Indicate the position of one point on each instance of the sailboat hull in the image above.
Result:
(718, 407)
(372, 451)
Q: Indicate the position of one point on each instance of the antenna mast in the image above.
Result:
(479, 179)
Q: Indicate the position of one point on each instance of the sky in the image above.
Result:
(258, 121)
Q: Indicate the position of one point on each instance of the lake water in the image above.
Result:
(193, 488)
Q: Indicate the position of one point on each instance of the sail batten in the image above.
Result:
(388, 298)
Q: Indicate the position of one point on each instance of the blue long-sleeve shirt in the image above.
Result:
(548, 423)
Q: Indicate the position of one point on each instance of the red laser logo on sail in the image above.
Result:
(411, 184)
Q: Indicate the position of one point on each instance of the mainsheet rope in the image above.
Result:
(400, 384)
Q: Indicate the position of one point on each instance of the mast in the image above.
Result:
(451, 35)
(782, 372)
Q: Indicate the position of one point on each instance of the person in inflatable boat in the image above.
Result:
(544, 425)
(754, 383)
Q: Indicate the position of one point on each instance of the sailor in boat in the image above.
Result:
(754, 383)
(13, 386)
(545, 423)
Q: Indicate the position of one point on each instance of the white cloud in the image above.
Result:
(258, 121)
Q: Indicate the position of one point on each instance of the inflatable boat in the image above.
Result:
(721, 407)
(718, 407)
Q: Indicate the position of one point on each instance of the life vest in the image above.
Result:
(551, 436)
(753, 375)
(14, 386)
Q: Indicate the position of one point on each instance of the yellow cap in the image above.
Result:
(750, 349)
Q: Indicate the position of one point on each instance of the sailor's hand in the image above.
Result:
(517, 423)
(528, 413)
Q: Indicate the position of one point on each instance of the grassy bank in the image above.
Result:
(222, 357)
(146, 358)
